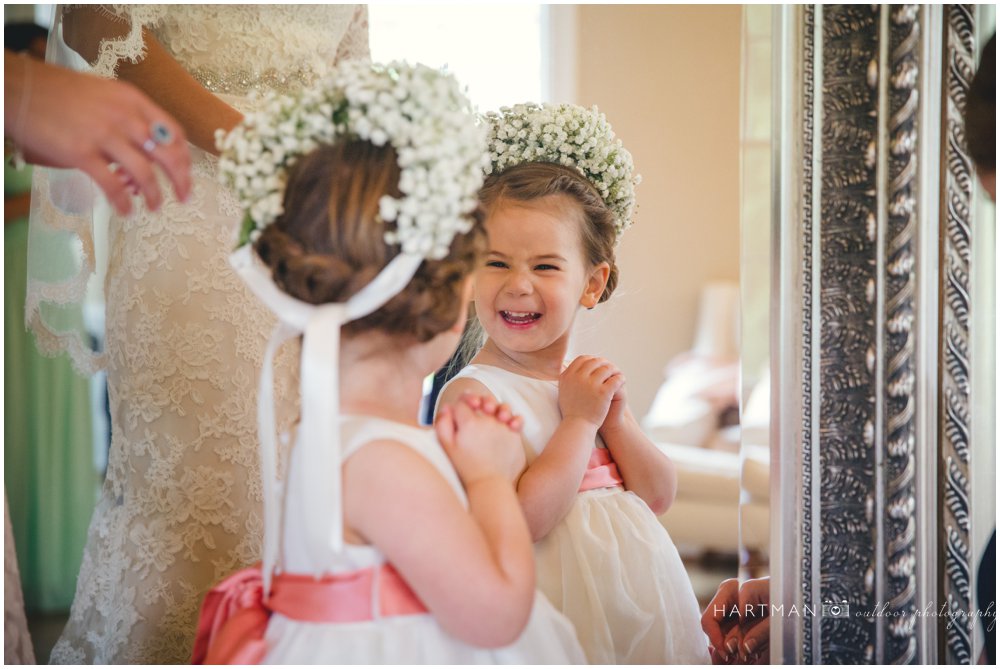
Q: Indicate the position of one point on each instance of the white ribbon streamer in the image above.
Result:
(319, 427)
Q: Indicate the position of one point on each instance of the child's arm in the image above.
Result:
(645, 469)
(473, 569)
(549, 485)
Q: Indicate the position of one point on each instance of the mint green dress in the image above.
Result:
(49, 471)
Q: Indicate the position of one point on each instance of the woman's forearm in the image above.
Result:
(157, 74)
(165, 81)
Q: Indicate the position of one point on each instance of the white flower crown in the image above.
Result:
(569, 135)
(421, 112)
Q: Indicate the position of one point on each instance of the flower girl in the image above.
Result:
(560, 195)
(387, 542)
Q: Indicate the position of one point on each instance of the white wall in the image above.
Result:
(668, 78)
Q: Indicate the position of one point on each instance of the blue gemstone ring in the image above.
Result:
(160, 133)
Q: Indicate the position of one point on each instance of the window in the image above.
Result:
(494, 50)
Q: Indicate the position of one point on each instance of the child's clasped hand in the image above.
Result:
(481, 437)
(586, 388)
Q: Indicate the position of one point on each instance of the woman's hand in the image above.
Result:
(737, 622)
(721, 622)
(109, 122)
(586, 390)
(480, 445)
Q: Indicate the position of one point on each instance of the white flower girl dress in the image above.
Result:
(609, 565)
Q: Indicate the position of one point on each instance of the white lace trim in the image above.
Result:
(49, 341)
(132, 45)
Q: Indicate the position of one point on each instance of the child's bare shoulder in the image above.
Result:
(373, 471)
(464, 384)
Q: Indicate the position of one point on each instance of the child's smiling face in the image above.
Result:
(534, 275)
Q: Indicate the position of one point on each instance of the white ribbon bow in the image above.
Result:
(319, 427)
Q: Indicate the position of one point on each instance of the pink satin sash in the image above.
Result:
(602, 472)
(234, 615)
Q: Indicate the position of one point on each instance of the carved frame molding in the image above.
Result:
(955, 386)
(859, 148)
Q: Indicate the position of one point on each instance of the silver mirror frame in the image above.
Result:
(956, 424)
(871, 404)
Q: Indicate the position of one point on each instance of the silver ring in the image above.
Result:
(160, 133)
(149, 145)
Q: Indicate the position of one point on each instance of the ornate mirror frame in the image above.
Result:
(871, 462)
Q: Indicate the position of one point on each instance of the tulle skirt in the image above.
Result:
(613, 570)
(548, 639)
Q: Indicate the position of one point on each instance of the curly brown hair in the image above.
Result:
(530, 181)
(329, 242)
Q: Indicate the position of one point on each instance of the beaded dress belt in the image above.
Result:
(241, 82)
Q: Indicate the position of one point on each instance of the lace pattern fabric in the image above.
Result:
(223, 39)
(248, 36)
(180, 508)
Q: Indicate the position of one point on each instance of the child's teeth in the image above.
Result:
(520, 316)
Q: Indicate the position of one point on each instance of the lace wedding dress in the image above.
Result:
(180, 508)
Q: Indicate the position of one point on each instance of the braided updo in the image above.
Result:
(328, 243)
(530, 181)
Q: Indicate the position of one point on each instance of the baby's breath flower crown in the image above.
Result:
(421, 112)
(569, 135)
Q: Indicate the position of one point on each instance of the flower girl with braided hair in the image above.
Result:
(386, 542)
(560, 195)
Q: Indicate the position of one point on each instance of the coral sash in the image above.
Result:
(234, 615)
(602, 472)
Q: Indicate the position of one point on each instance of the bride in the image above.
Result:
(180, 508)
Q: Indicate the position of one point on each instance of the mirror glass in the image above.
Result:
(983, 347)
(683, 86)
(668, 79)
